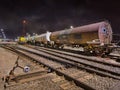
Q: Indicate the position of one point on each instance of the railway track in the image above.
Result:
(53, 66)
(40, 75)
(94, 59)
(71, 70)
(92, 66)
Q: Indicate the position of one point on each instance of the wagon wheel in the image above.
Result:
(98, 51)
(88, 50)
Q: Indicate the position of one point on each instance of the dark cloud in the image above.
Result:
(52, 15)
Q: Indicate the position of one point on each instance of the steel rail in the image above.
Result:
(60, 60)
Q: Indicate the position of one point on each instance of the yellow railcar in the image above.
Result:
(22, 40)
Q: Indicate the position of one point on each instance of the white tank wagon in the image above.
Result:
(100, 33)
(31, 39)
(43, 39)
(87, 36)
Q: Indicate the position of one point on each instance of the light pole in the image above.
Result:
(4, 36)
(24, 27)
(71, 27)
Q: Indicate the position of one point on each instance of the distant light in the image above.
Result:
(1, 30)
(33, 33)
(24, 21)
(27, 34)
(71, 27)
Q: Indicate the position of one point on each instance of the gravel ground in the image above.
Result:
(102, 83)
(1, 85)
(98, 82)
(7, 61)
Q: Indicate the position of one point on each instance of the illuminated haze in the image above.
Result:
(53, 15)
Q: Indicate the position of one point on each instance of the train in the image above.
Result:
(94, 37)
(21, 40)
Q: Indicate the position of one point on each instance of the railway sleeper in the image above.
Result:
(26, 77)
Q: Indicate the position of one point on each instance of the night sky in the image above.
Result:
(53, 15)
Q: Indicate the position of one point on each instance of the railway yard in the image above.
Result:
(54, 69)
(59, 45)
(56, 61)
